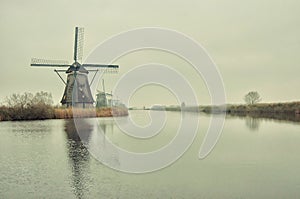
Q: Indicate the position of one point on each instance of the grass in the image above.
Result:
(289, 111)
(42, 112)
(275, 108)
(38, 106)
(66, 113)
(34, 112)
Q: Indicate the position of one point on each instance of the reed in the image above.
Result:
(32, 112)
(66, 113)
(38, 106)
(275, 108)
(42, 112)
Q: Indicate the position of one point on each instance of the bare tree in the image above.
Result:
(19, 100)
(252, 97)
(28, 99)
(42, 98)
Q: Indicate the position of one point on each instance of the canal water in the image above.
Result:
(254, 158)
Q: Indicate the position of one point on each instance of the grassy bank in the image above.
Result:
(289, 111)
(43, 112)
(64, 113)
(35, 112)
(39, 106)
(291, 108)
(261, 108)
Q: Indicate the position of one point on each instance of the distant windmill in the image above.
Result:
(77, 88)
(102, 100)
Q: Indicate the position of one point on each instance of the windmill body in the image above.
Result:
(77, 91)
(77, 87)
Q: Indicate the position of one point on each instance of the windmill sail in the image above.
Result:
(78, 44)
(49, 63)
(103, 68)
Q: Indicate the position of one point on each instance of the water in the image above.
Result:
(254, 158)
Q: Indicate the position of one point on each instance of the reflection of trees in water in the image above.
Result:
(252, 123)
(78, 154)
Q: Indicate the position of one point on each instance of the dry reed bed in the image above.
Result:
(67, 113)
(47, 112)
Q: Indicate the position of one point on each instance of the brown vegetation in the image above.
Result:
(39, 107)
(286, 108)
(288, 111)
(42, 112)
(27, 107)
(35, 112)
(65, 113)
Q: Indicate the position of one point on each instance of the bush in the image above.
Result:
(27, 106)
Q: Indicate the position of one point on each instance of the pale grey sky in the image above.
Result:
(255, 44)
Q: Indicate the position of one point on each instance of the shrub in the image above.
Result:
(27, 106)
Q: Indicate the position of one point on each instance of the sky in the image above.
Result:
(255, 44)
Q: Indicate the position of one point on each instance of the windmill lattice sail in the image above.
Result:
(78, 44)
(48, 62)
(77, 90)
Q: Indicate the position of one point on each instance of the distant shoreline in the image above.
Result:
(279, 108)
(289, 111)
(284, 107)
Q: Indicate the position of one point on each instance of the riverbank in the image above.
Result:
(98, 112)
(288, 111)
(43, 112)
(260, 108)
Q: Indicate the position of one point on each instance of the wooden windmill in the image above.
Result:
(101, 96)
(77, 87)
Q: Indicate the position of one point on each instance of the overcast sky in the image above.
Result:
(255, 44)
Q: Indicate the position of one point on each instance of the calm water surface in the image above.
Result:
(253, 159)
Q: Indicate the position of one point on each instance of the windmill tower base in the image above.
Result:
(77, 91)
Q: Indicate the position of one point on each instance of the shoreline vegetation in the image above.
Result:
(39, 106)
(292, 108)
(48, 112)
(289, 111)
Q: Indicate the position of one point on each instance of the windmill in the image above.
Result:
(102, 100)
(77, 91)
